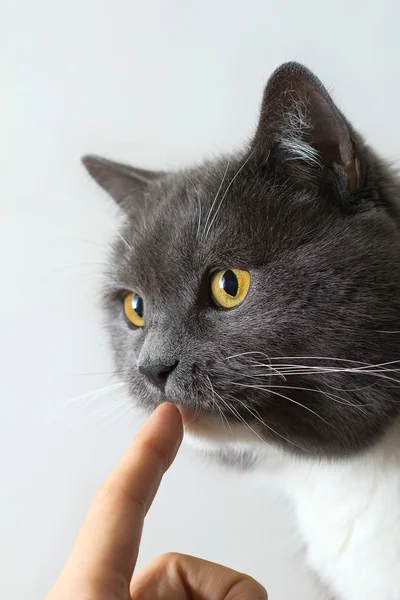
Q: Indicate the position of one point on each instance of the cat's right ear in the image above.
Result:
(303, 133)
(128, 185)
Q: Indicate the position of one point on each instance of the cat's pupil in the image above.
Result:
(229, 283)
(137, 305)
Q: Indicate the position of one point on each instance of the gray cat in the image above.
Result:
(261, 293)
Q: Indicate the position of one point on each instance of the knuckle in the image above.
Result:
(168, 558)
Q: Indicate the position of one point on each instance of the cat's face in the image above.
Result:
(267, 286)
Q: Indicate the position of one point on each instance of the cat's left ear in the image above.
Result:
(303, 132)
(128, 185)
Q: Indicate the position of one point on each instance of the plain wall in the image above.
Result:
(160, 84)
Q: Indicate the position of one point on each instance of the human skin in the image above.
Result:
(102, 562)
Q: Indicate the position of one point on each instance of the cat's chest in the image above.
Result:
(349, 517)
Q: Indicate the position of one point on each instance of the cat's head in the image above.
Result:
(261, 292)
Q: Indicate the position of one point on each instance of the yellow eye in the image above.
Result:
(230, 287)
(133, 306)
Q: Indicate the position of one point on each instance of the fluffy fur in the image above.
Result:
(300, 380)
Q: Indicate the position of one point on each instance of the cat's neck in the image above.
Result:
(348, 513)
(382, 459)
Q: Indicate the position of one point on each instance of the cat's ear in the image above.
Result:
(302, 129)
(127, 185)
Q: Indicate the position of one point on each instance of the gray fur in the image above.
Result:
(325, 263)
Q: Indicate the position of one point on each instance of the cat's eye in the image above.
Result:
(134, 309)
(230, 287)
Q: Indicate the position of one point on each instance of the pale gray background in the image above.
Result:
(160, 84)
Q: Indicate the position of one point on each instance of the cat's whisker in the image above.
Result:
(105, 220)
(89, 397)
(123, 409)
(217, 194)
(225, 193)
(381, 378)
(284, 368)
(334, 397)
(95, 374)
(199, 204)
(383, 331)
(121, 414)
(215, 403)
(267, 389)
(110, 409)
(365, 369)
(273, 368)
(100, 415)
(357, 389)
(196, 415)
(329, 358)
(289, 369)
(380, 374)
(257, 416)
(84, 240)
(237, 415)
(307, 370)
(239, 354)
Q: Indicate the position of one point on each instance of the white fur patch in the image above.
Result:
(348, 511)
(292, 138)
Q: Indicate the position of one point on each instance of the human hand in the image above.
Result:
(103, 559)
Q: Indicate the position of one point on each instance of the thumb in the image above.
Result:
(181, 577)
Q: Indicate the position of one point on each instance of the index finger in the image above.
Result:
(107, 546)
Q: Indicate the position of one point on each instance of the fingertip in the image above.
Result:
(171, 409)
(170, 416)
(165, 426)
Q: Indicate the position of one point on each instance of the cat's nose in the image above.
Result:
(158, 373)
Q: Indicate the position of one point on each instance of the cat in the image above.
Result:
(261, 293)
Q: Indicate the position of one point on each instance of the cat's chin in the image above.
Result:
(208, 432)
(232, 446)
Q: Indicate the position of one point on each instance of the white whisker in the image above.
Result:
(383, 331)
(256, 415)
(266, 389)
(365, 364)
(225, 193)
(102, 218)
(110, 409)
(337, 399)
(215, 403)
(199, 204)
(218, 191)
(380, 373)
(237, 415)
(90, 396)
(274, 369)
(123, 413)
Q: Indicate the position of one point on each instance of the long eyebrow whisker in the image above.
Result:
(217, 194)
(226, 191)
(199, 204)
